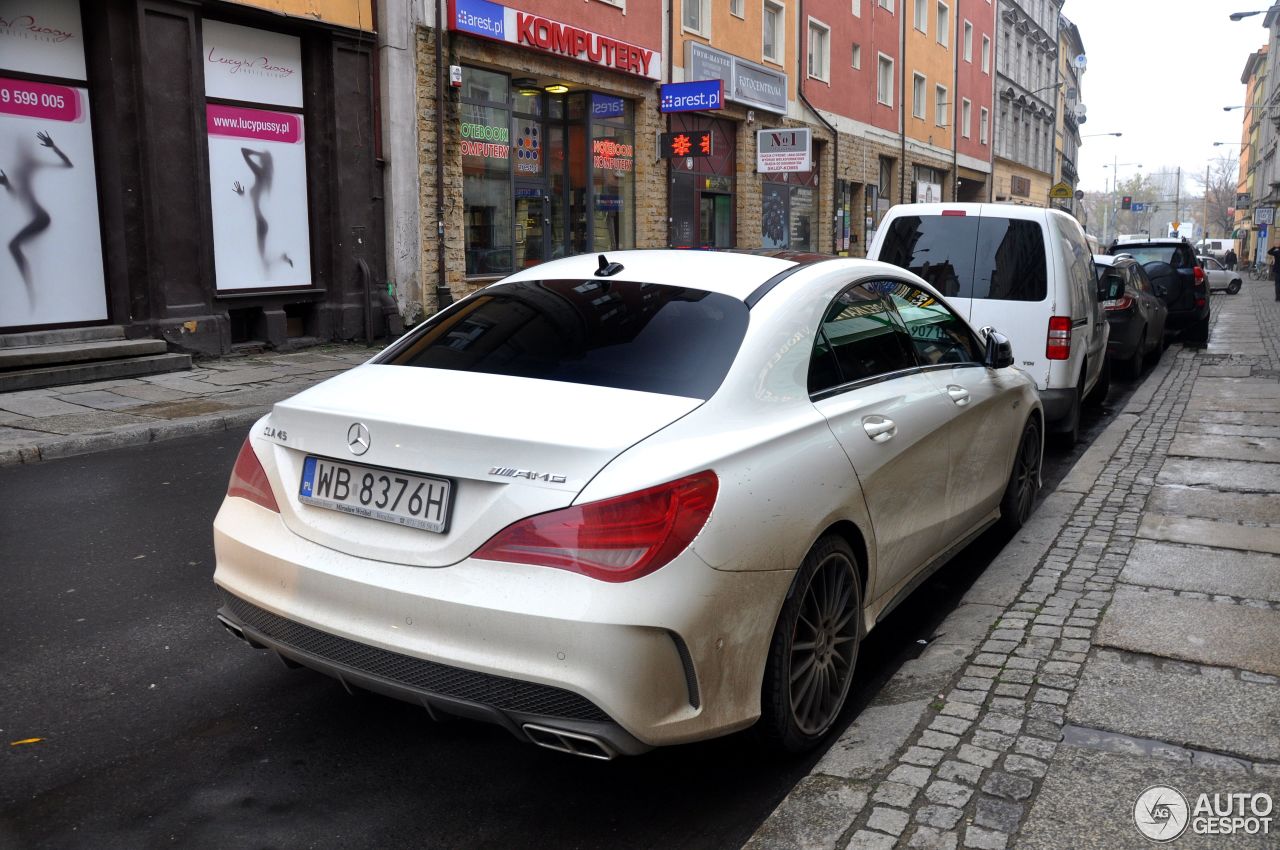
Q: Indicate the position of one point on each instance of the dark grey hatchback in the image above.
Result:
(1137, 316)
(1177, 279)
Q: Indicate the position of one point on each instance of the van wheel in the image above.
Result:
(1102, 387)
(814, 649)
(1024, 479)
(1233, 287)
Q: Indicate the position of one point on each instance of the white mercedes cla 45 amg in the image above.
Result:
(612, 503)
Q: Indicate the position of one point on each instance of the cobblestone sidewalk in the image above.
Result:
(216, 395)
(1130, 637)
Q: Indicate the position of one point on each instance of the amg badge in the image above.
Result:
(512, 472)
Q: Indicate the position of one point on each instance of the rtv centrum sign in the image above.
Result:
(744, 82)
(500, 23)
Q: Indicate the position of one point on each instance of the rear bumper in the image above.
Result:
(675, 656)
(1180, 319)
(1057, 406)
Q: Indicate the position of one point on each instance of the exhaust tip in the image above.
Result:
(573, 743)
(232, 627)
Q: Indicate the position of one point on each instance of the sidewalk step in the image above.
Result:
(61, 337)
(33, 356)
(102, 370)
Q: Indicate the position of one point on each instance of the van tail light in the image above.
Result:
(1124, 302)
(618, 539)
(249, 479)
(1059, 347)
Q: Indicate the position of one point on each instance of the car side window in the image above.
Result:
(1144, 282)
(938, 335)
(860, 338)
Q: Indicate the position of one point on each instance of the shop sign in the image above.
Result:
(744, 82)
(612, 155)
(784, 150)
(607, 106)
(242, 63)
(495, 21)
(686, 143)
(692, 96)
(1264, 215)
(51, 271)
(928, 193)
(42, 37)
(1060, 190)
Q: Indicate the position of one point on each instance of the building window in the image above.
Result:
(944, 25)
(986, 55)
(917, 95)
(940, 106)
(857, 8)
(1020, 186)
(819, 50)
(773, 19)
(857, 57)
(966, 116)
(886, 4)
(884, 81)
(983, 117)
(737, 8)
(696, 16)
(968, 41)
(922, 15)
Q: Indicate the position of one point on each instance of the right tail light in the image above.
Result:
(1059, 342)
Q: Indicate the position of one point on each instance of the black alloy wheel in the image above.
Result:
(1233, 287)
(1024, 479)
(814, 649)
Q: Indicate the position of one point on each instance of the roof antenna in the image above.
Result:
(607, 269)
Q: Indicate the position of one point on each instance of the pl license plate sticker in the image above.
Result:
(402, 498)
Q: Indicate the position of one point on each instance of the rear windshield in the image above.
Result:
(634, 336)
(1144, 254)
(971, 257)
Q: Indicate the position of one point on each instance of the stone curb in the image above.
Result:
(884, 727)
(60, 446)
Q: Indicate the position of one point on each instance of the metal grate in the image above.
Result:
(422, 675)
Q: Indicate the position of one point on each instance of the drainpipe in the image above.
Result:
(444, 297)
(956, 47)
(835, 135)
(902, 101)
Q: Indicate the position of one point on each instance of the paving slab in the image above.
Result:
(1238, 475)
(85, 422)
(1234, 403)
(1229, 417)
(150, 392)
(185, 408)
(1229, 430)
(245, 376)
(1205, 632)
(1246, 575)
(38, 405)
(1236, 371)
(1263, 449)
(812, 817)
(1216, 504)
(1088, 797)
(101, 400)
(870, 742)
(189, 385)
(1207, 532)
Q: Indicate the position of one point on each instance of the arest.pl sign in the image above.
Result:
(498, 22)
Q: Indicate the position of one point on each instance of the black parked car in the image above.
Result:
(1178, 279)
(1137, 317)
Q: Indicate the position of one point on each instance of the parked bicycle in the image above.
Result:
(1259, 271)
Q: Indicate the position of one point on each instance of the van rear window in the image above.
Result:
(968, 257)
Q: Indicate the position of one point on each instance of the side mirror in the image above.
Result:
(1110, 288)
(999, 352)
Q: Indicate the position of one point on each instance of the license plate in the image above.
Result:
(417, 501)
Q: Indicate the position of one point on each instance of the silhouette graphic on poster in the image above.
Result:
(262, 165)
(21, 186)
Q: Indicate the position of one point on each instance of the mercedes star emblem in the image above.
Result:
(358, 439)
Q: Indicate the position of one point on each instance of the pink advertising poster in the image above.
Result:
(51, 262)
(258, 186)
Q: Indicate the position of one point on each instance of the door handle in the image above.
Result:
(958, 394)
(878, 428)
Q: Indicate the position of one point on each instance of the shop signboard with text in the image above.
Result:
(43, 37)
(494, 21)
(693, 96)
(744, 82)
(257, 158)
(784, 150)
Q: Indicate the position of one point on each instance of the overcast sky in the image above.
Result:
(1160, 72)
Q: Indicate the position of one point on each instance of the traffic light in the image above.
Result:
(1126, 202)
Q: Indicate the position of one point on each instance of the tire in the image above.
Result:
(1198, 334)
(1233, 288)
(1102, 387)
(1024, 479)
(797, 709)
(1132, 369)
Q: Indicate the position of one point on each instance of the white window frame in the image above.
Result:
(919, 86)
(941, 102)
(986, 53)
(984, 116)
(824, 73)
(856, 56)
(738, 8)
(857, 8)
(968, 42)
(881, 61)
(920, 17)
(617, 4)
(888, 4)
(943, 21)
(779, 32)
(966, 116)
(704, 17)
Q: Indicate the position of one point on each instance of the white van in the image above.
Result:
(1025, 271)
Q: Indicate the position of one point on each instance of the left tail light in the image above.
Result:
(1199, 274)
(249, 479)
(618, 539)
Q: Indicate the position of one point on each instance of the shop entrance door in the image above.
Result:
(533, 225)
(715, 220)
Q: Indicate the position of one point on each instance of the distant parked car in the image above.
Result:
(1137, 315)
(1220, 277)
(1177, 278)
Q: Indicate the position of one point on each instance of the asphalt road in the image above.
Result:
(159, 729)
